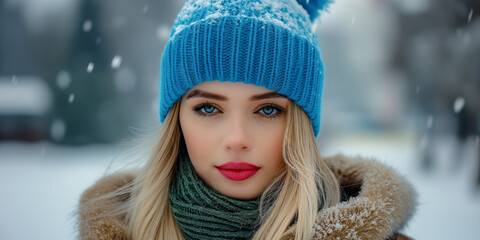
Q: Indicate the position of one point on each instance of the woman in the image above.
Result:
(236, 157)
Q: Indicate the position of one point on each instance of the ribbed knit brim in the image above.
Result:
(244, 49)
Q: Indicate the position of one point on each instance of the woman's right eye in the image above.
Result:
(205, 109)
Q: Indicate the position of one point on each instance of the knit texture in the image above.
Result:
(269, 43)
(204, 213)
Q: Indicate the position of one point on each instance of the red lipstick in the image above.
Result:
(238, 171)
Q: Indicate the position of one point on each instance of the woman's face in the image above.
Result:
(234, 134)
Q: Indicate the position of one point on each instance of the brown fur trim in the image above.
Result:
(385, 203)
(94, 224)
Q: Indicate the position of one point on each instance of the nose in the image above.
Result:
(237, 137)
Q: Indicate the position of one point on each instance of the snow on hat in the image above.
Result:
(269, 43)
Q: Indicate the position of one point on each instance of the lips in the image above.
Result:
(238, 171)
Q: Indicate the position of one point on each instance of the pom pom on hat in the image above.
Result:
(314, 7)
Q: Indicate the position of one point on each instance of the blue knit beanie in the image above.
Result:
(269, 43)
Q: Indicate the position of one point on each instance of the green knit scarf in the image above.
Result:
(204, 213)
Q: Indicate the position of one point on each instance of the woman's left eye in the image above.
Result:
(271, 111)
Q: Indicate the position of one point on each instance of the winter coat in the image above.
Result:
(377, 202)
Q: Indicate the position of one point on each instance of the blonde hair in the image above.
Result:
(296, 195)
(307, 185)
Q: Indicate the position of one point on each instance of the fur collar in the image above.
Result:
(377, 203)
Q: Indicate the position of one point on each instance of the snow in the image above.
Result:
(116, 61)
(163, 32)
(458, 104)
(288, 16)
(57, 129)
(470, 15)
(87, 26)
(63, 79)
(40, 191)
(71, 98)
(41, 184)
(24, 95)
(90, 67)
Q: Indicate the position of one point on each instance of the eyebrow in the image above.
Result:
(203, 94)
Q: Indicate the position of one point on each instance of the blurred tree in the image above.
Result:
(85, 81)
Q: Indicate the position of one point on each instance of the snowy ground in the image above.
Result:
(41, 184)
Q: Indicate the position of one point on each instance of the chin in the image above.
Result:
(242, 195)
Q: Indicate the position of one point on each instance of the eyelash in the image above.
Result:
(197, 109)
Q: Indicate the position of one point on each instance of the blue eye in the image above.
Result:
(205, 110)
(271, 111)
(268, 110)
(208, 109)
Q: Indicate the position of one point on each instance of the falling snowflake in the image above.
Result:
(90, 67)
(57, 129)
(163, 32)
(71, 98)
(145, 8)
(87, 25)
(63, 79)
(470, 15)
(116, 61)
(353, 20)
(458, 104)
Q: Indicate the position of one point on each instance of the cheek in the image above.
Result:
(198, 145)
(271, 144)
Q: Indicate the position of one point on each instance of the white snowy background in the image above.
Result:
(41, 182)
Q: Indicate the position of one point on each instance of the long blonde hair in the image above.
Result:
(306, 185)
